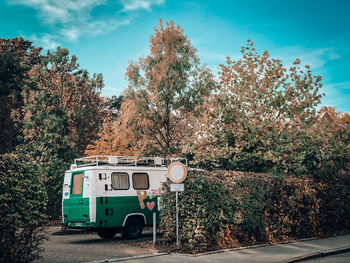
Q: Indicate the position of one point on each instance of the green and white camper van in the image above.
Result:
(112, 194)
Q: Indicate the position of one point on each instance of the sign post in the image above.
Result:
(154, 229)
(177, 173)
(177, 219)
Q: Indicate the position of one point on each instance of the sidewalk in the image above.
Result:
(288, 252)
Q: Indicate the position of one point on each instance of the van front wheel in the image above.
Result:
(133, 228)
(107, 233)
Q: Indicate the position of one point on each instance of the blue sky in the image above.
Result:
(107, 34)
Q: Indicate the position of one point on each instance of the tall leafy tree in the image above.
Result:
(257, 118)
(47, 143)
(62, 114)
(76, 94)
(17, 57)
(166, 88)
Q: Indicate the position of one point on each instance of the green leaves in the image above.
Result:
(17, 58)
(23, 201)
(256, 119)
(204, 209)
(224, 209)
(61, 116)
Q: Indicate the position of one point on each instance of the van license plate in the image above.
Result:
(78, 224)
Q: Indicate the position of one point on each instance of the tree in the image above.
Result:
(166, 88)
(338, 118)
(76, 95)
(117, 136)
(327, 148)
(62, 114)
(258, 116)
(17, 57)
(47, 144)
(114, 105)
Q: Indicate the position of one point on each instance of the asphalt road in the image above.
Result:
(84, 247)
(88, 247)
(340, 258)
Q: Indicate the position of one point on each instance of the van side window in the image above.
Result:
(77, 182)
(140, 181)
(120, 181)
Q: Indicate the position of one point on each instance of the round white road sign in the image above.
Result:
(177, 172)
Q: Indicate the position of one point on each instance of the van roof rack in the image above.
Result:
(113, 160)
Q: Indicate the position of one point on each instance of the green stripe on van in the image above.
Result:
(111, 211)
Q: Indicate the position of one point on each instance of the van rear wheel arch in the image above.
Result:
(133, 226)
(140, 216)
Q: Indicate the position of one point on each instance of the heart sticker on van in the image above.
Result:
(150, 205)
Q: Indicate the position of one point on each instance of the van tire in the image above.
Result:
(133, 228)
(107, 233)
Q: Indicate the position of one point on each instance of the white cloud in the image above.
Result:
(337, 94)
(131, 5)
(62, 11)
(71, 34)
(207, 55)
(109, 90)
(315, 58)
(48, 41)
(73, 17)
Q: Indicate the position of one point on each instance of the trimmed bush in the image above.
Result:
(22, 210)
(223, 209)
(204, 210)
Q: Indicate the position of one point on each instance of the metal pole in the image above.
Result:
(177, 220)
(154, 229)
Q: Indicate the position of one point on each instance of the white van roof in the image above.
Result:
(112, 160)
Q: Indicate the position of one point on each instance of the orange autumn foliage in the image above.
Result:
(116, 136)
(258, 115)
(166, 88)
(338, 118)
(162, 100)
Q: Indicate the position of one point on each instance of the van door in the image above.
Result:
(75, 212)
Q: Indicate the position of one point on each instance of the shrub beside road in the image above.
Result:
(225, 209)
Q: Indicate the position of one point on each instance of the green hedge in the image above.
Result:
(222, 209)
(22, 210)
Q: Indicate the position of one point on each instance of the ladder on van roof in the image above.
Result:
(125, 161)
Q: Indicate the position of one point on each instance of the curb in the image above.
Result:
(318, 254)
(127, 258)
(247, 247)
(292, 260)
